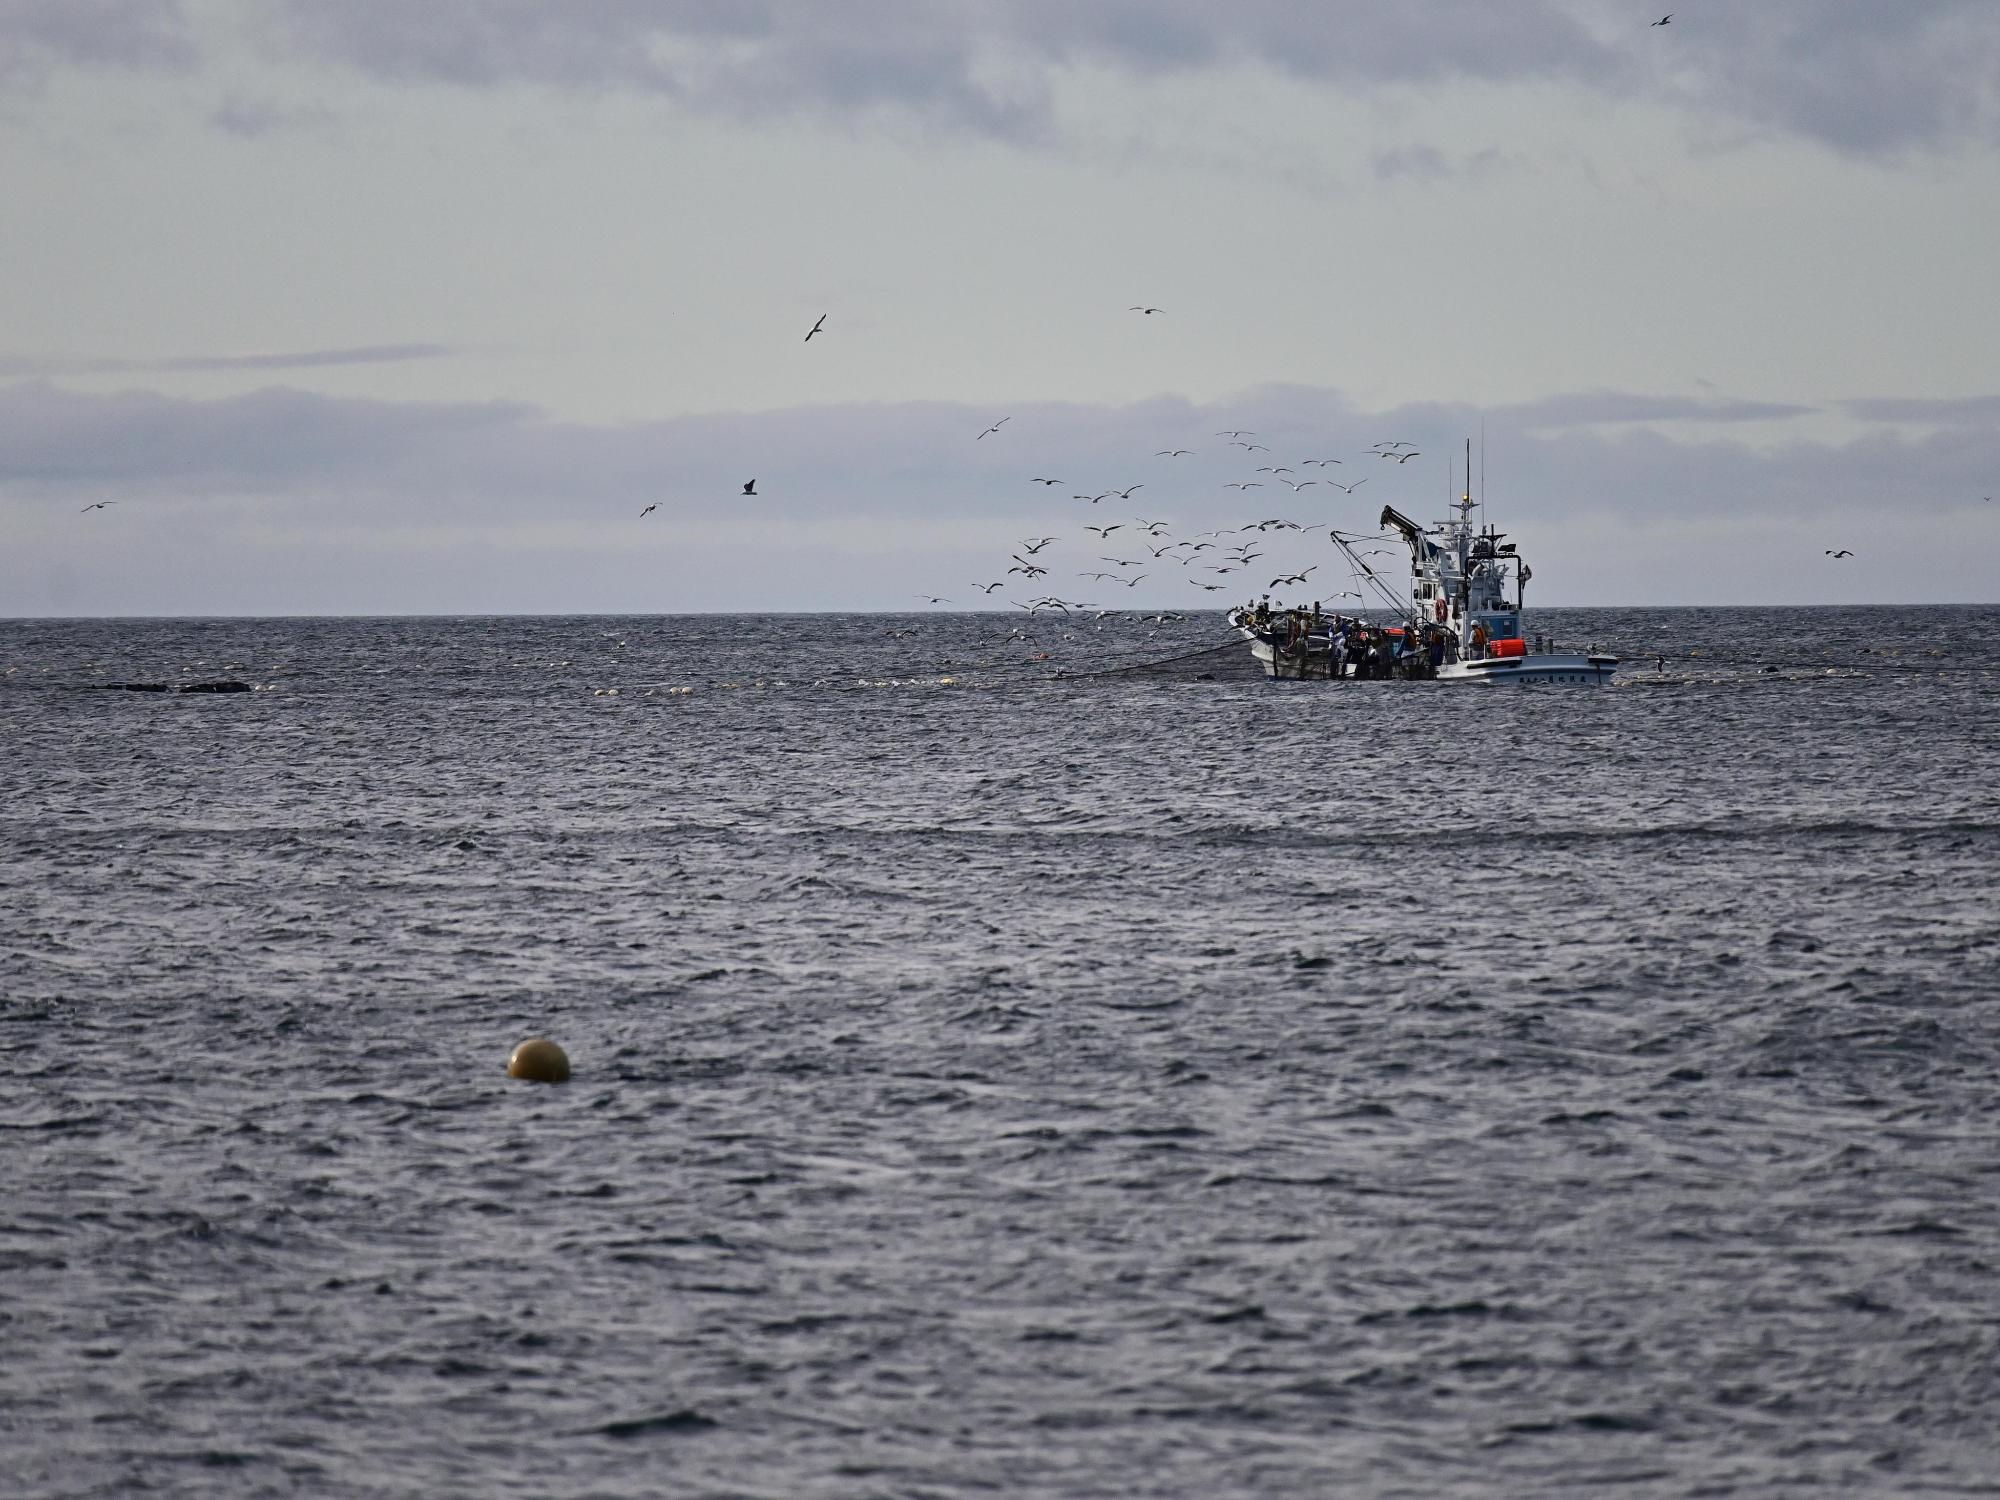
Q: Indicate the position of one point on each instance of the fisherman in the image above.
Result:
(1478, 639)
(1436, 650)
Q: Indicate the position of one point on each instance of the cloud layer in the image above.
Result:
(1859, 76)
(858, 505)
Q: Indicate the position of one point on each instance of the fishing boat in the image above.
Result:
(1458, 623)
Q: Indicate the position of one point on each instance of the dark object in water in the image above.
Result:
(225, 686)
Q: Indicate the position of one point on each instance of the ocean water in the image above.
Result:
(1144, 1080)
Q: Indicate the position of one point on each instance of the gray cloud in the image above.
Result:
(1857, 75)
(925, 458)
(249, 119)
(39, 35)
(283, 500)
(1595, 408)
(1949, 411)
(306, 359)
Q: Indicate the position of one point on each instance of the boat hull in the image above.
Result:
(1314, 663)
(1573, 667)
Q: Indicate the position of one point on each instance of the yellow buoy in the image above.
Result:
(539, 1060)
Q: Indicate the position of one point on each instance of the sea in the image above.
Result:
(1012, 1056)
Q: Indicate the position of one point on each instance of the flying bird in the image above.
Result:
(1035, 544)
(1044, 481)
(1843, 552)
(1172, 452)
(749, 486)
(816, 327)
(1133, 581)
(987, 588)
(1148, 311)
(649, 510)
(1237, 432)
(994, 428)
(1104, 531)
(1348, 488)
(1235, 485)
(98, 505)
(1125, 494)
(1665, 20)
(932, 599)
(1298, 578)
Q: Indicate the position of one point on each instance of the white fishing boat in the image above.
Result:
(1458, 623)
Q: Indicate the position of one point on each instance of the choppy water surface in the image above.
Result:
(1149, 1083)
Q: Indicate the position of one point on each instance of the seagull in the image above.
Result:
(99, 505)
(1027, 568)
(1104, 531)
(749, 486)
(987, 588)
(1125, 494)
(816, 328)
(1035, 544)
(1148, 311)
(1301, 484)
(1234, 485)
(932, 599)
(1152, 528)
(1045, 481)
(1237, 432)
(1213, 588)
(1298, 578)
(1251, 447)
(1320, 461)
(1843, 552)
(1133, 581)
(649, 510)
(994, 428)
(1403, 458)
(1173, 452)
(1664, 20)
(1348, 488)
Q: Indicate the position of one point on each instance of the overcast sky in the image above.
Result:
(385, 307)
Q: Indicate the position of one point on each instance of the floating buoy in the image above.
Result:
(539, 1060)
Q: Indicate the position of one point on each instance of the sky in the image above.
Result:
(379, 308)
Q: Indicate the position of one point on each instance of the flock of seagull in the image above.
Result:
(1186, 553)
(1207, 559)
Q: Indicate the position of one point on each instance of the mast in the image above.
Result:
(1464, 529)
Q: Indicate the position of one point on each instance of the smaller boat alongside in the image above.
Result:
(1459, 623)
